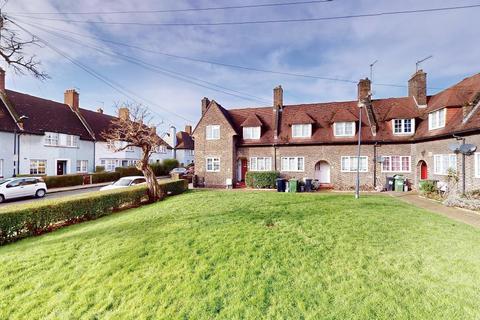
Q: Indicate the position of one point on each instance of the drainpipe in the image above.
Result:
(375, 165)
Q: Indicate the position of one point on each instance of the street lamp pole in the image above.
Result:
(361, 104)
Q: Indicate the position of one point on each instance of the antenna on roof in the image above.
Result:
(371, 74)
(421, 61)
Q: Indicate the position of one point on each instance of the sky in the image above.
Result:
(340, 49)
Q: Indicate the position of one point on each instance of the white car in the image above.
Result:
(125, 182)
(12, 188)
(179, 171)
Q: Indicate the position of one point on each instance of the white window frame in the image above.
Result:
(444, 171)
(293, 164)
(82, 166)
(390, 162)
(51, 139)
(251, 133)
(213, 132)
(477, 165)
(343, 127)
(110, 164)
(302, 130)
(260, 164)
(350, 167)
(435, 120)
(213, 163)
(402, 126)
(162, 149)
(35, 165)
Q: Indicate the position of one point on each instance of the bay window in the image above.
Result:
(293, 164)
(344, 129)
(260, 163)
(349, 164)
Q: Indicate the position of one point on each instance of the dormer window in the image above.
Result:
(403, 126)
(251, 133)
(436, 119)
(302, 130)
(213, 132)
(344, 129)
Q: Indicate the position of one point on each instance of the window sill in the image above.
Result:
(67, 147)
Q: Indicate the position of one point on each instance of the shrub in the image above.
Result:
(64, 181)
(102, 177)
(473, 195)
(262, 180)
(461, 202)
(100, 169)
(158, 169)
(169, 165)
(128, 171)
(428, 186)
(37, 218)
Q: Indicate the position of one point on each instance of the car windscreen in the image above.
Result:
(3, 181)
(122, 183)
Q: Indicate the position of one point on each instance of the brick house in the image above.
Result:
(407, 135)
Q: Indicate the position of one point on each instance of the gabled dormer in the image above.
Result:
(301, 125)
(437, 119)
(252, 127)
(343, 124)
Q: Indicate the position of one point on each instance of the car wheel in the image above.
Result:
(40, 193)
(2, 198)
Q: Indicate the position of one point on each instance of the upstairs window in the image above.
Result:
(436, 119)
(344, 129)
(444, 162)
(293, 164)
(161, 149)
(260, 163)
(251, 133)
(477, 165)
(403, 126)
(396, 164)
(213, 132)
(51, 139)
(301, 130)
(349, 164)
(60, 140)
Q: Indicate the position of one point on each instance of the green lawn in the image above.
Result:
(249, 255)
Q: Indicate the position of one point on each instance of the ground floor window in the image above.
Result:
(293, 164)
(349, 164)
(110, 164)
(443, 162)
(260, 163)
(477, 165)
(82, 166)
(396, 164)
(213, 164)
(38, 166)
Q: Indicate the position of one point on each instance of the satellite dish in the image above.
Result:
(468, 149)
(454, 147)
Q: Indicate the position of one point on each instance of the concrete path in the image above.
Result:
(466, 216)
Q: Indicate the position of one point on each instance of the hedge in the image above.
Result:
(101, 177)
(64, 181)
(37, 218)
(169, 165)
(128, 171)
(262, 180)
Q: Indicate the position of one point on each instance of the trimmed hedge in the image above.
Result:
(169, 165)
(262, 180)
(101, 177)
(47, 215)
(64, 181)
(128, 171)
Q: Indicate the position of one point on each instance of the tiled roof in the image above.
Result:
(184, 140)
(322, 115)
(99, 122)
(45, 115)
(252, 121)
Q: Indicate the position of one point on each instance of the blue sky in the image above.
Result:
(336, 49)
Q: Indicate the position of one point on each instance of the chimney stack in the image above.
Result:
(417, 88)
(205, 103)
(71, 98)
(278, 97)
(100, 110)
(2, 80)
(364, 89)
(277, 110)
(124, 113)
(188, 129)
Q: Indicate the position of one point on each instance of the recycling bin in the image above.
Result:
(281, 185)
(399, 183)
(292, 185)
(308, 185)
(390, 184)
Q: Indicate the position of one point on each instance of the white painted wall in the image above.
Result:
(185, 156)
(32, 147)
(6, 154)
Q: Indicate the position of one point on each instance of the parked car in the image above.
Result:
(12, 188)
(180, 171)
(125, 182)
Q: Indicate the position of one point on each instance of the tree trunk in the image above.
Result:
(155, 193)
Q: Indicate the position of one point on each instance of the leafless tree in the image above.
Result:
(134, 128)
(12, 50)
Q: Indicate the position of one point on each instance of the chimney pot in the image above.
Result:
(188, 129)
(100, 110)
(72, 98)
(205, 103)
(417, 87)
(278, 97)
(124, 113)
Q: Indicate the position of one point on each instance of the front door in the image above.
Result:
(423, 171)
(322, 172)
(244, 169)
(61, 167)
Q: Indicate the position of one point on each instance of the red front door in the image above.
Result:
(244, 168)
(423, 171)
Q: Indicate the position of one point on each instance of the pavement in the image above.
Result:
(462, 215)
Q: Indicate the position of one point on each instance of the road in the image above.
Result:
(48, 196)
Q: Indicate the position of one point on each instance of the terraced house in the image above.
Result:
(44, 137)
(409, 135)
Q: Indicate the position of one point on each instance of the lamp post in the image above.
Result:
(361, 105)
(16, 144)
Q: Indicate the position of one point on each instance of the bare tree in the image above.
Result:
(12, 50)
(134, 128)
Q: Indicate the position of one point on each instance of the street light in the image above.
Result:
(361, 105)
(16, 144)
